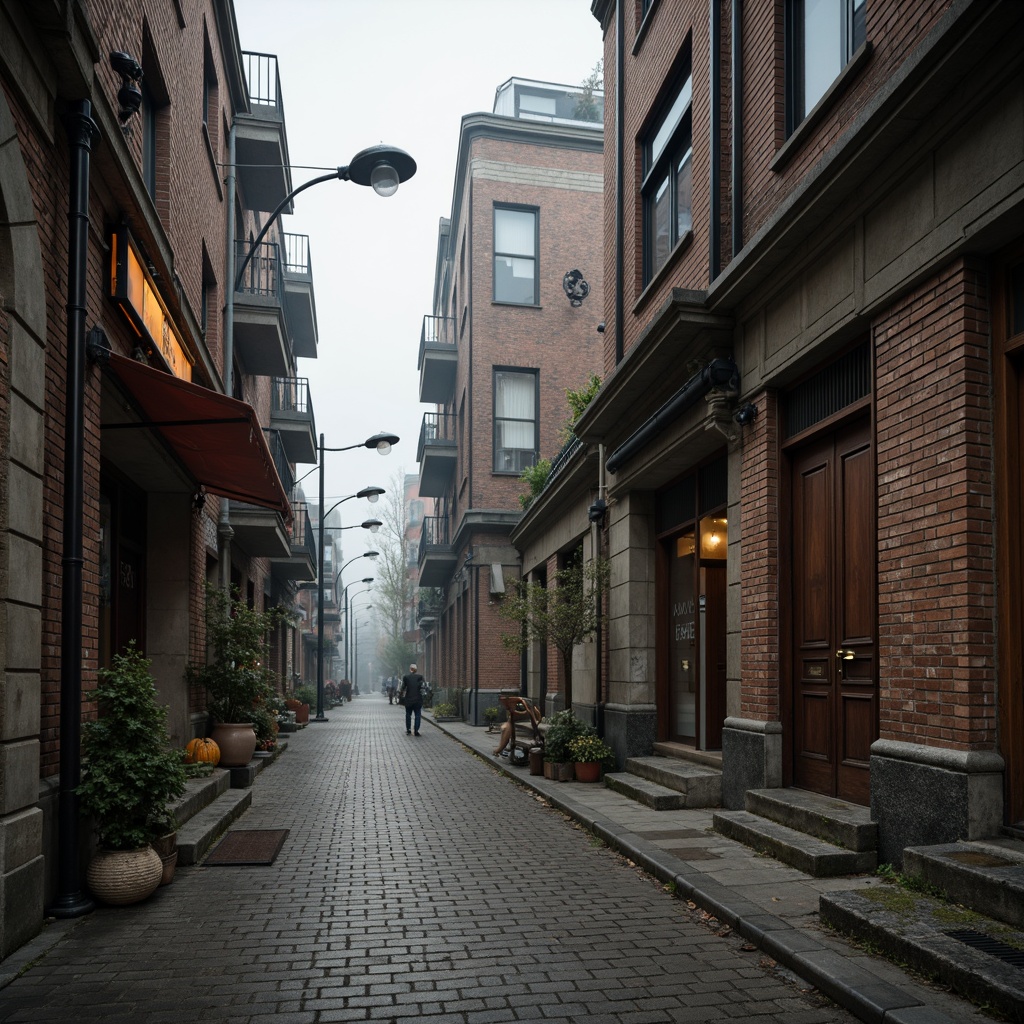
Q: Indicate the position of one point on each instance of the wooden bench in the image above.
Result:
(526, 729)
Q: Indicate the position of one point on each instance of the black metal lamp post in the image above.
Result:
(348, 632)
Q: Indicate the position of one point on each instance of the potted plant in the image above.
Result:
(130, 774)
(562, 730)
(165, 842)
(492, 714)
(590, 754)
(238, 683)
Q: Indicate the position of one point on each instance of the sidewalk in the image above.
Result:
(769, 903)
(417, 882)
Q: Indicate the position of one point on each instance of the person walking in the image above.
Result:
(392, 689)
(412, 690)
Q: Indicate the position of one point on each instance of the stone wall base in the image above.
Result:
(751, 759)
(922, 796)
(630, 730)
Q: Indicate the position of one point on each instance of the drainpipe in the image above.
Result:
(737, 127)
(70, 901)
(596, 528)
(715, 139)
(717, 372)
(620, 113)
(224, 531)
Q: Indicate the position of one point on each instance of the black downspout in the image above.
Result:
(620, 111)
(737, 127)
(71, 901)
(715, 142)
(474, 577)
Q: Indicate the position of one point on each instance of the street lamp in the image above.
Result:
(345, 604)
(355, 649)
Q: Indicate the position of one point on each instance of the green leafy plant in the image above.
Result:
(445, 710)
(535, 477)
(305, 695)
(590, 747)
(578, 399)
(492, 714)
(131, 771)
(563, 728)
(239, 684)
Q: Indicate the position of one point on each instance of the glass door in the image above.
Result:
(682, 638)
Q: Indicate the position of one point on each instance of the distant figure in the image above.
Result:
(392, 689)
(413, 685)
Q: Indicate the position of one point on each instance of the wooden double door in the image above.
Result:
(834, 696)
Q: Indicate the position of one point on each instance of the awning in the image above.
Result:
(217, 439)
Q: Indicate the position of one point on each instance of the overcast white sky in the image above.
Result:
(355, 73)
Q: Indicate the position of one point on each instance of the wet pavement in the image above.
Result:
(419, 881)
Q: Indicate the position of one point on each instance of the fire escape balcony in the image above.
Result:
(301, 562)
(259, 531)
(261, 333)
(291, 415)
(299, 302)
(261, 143)
(438, 359)
(437, 454)
(437, 556)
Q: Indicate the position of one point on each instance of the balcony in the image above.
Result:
(261, 143)
(299, 303)
(291, 415)
(438, 359)
(437, 556)
(301, 563)
(437, 454)
(428, 608)
(261, 335)
(258, 531)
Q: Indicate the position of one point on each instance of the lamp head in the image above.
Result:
(367, 579)
(373, 525)
(382, 442)
(370, 493)
(745, 414)
(129, 96)
(370, 554)
(384, 168)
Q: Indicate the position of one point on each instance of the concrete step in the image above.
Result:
(985, 875)
(200, 832)
(200, 793)
(699, 783)
(812, 856)
(977, 957)
(826, 818)
(651, 794)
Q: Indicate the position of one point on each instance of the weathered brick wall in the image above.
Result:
(936, 573)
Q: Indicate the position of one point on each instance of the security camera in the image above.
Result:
(745, 414)
(126, 65)
(129, 96)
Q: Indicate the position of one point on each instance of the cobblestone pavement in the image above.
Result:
(416, 882)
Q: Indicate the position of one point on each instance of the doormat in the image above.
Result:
(248, 846)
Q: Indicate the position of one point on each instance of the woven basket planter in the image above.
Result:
(120, 877)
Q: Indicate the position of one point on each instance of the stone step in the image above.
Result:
(200, 832)
(977, 957)
(699, 783)
(985, 875)
(651, 794)
(812, 856)
(826, 818)
(199, 793)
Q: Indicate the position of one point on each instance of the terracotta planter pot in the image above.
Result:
(558, 771)
(536, 761)
(236, 740)
(588, 771)
(121, 877)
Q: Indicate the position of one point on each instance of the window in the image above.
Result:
(823, 36)
(515, 255)
(515, 420)
(667, 186)
(149, 139)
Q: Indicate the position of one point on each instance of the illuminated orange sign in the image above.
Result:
(136, 293)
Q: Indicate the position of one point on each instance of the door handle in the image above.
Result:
(845, 654)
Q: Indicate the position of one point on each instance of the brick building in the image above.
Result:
(497, 352)
(151, 413)
(810, 417)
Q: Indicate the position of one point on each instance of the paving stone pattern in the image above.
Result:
(390, 901)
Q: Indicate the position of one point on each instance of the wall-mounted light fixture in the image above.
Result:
(745, 414)
(575, 287)
(129, 96)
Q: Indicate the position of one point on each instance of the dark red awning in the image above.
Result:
(217, 439)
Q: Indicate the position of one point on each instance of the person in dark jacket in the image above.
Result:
(412, 689)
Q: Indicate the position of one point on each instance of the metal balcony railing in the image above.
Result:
(564, 457)
(437, 426)
(434, 533)
(277, 453)
(296, 254)
(291, 394)
(264, 81)
(437, 330)
(303, 534)
(263, 274)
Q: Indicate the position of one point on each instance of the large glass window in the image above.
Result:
(824, 35)
(668, 175)
(515, 256)
(515, 420)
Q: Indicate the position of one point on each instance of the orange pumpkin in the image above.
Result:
(202, 750)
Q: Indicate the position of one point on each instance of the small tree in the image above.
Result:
(564, 615)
